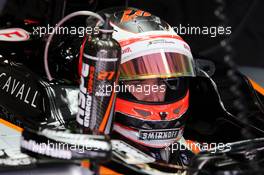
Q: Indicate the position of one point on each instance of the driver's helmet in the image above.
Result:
(153, 93)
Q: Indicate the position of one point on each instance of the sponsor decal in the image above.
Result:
(165, 134)
(102, 94)
(160, 41)
(14, 35)
(85, 99)
(16, 162)
(126, 50)
(104, 87)
(130, 154)
(91, 78)
(20, 90)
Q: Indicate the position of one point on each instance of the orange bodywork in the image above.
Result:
(257, 87)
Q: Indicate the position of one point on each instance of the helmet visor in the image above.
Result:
(157, 65)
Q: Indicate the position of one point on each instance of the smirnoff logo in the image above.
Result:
(19, 90)
(160, 134)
